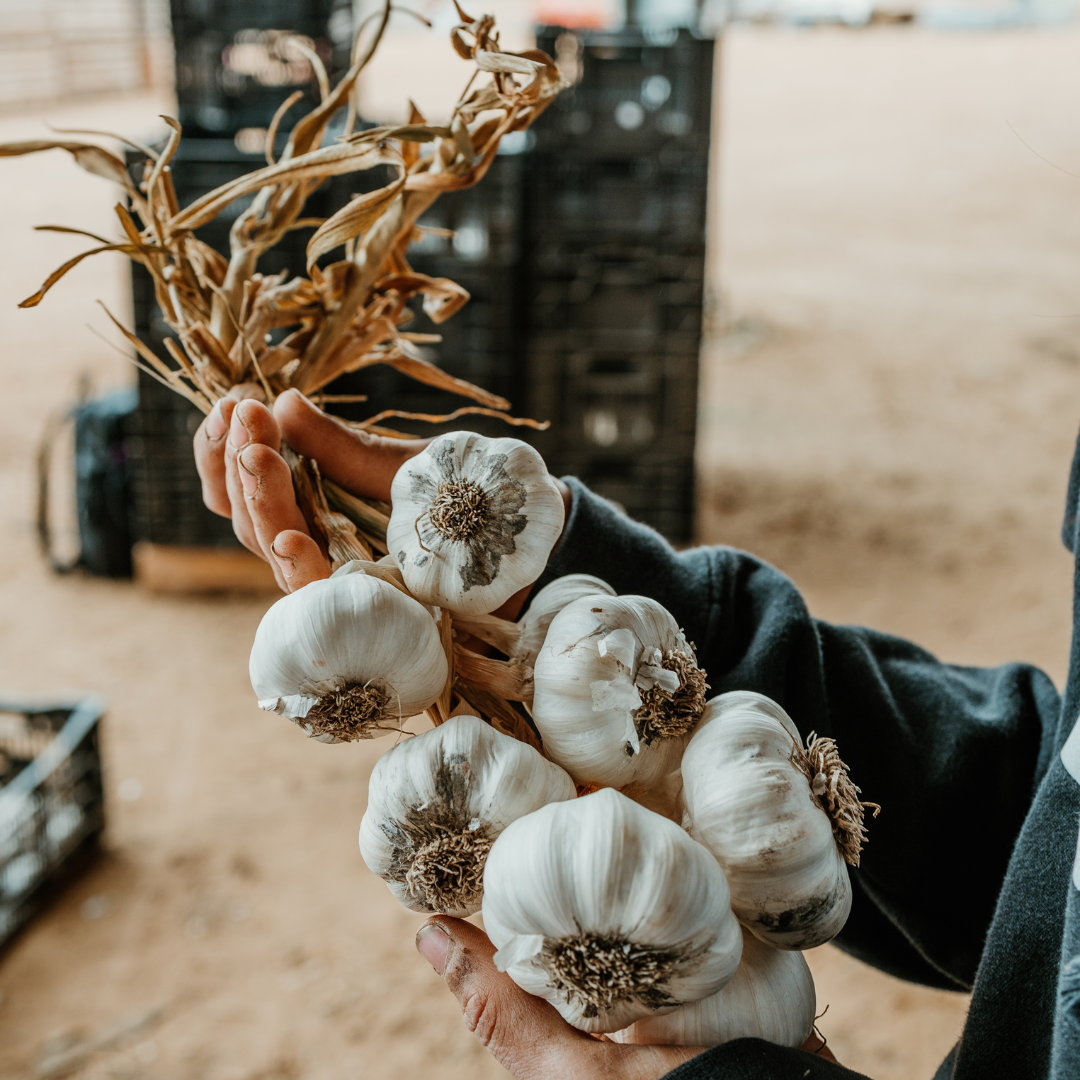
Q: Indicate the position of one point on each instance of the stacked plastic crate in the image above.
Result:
(615, 235)
(482, 342)
(236, 61)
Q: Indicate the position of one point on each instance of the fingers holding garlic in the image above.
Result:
(608, 911)
(436, 804)
(348, 657)
(474, 521)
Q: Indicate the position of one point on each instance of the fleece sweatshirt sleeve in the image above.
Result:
(951, 753)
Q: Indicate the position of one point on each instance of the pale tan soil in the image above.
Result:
(885, 418)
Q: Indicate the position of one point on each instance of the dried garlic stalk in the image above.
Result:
(343, 316)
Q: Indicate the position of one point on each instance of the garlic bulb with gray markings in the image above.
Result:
(779, 818)
(608, 911)
(474, 520)
(617, 691)
(347, 658)
(438, 801)
(771, 997)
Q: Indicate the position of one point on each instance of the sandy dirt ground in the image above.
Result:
(890, 394)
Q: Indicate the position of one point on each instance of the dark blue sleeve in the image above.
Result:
(951, 753)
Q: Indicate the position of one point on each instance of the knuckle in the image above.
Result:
(481, 1016)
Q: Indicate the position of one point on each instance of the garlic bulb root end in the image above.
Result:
(356, 711)
(838, 796)
(601, 971)
(447, 872)
(666, 714)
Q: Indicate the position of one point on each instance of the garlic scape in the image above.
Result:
(617, 691)
(608, 911)
(349, 657)
(771, 997)
(761, 804)
(521, 641)
(474, 520)
(437, 802)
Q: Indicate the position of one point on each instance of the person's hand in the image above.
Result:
(245, 478)
(525, 1034)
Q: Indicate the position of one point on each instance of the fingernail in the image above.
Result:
(238, 434)
(433, 945)
(286, 563)
(249, 480)
(215, 423)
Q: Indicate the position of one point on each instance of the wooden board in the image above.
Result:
(169, 568)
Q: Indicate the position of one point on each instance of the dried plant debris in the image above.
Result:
(348, 314)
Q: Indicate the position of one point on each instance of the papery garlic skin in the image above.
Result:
(521, 640)
(604, 660)
(347, 658)
(474, 520)
(438, 801)
(749, 803)
(546, 604)
(771, 997)
(608, 911)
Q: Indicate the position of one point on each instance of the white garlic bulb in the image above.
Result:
(617, 691)
(347, 658)
(608, 911)
(771, 997)
(437, 802)
(474, 520)
(751, 797)
(521, 641)
(546, 604)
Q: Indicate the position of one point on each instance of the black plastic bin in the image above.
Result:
(52, 803)
(234, 66)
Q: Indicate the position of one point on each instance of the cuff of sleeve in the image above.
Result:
(756, 1059)
(599, 539)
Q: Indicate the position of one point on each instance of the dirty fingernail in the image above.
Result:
(249, 480)
(215, 423)
(284, 561)
(433, 945)
(238, 434)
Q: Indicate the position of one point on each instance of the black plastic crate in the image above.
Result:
(615, 400)
(657, 490)
(481, 342)
(166, 490)
(234, 65)
(626, 199)
(52, 804)
(633, 93)
(615, 199)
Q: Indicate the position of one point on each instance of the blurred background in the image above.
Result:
(802, 277)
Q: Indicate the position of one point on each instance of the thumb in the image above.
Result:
(523, 1033)
(359, 461)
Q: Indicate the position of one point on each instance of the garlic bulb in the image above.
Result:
(608, 911)
(771, 997)
(617, 691)
(437, 802)
(752, 798)
(521, 641)
(546, 604)
(347, 658)
(474, 521)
